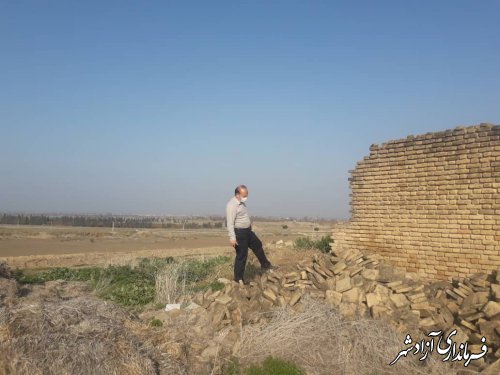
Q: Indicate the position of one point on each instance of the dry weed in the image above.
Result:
(321, 341)
(170, 283)
(81, 335)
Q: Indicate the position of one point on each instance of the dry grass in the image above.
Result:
(322, 342)
(83, 335)
(171, 284)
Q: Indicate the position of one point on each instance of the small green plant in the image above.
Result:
(151, 263)
(323, 244)
(122, 284)
(275, 366)
(127, 285)
(316, 229)
(284, 226)
(197, 270)
(64, 273)
(159, 305)
(231, 367)
(216, 285)
(303, 243)
(155, 322)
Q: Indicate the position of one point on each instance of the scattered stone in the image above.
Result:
(399, 300)
(333, 297)
(379, 311)
(352, 295)
(339, 267)
(495, 290)
(370, 274)
(223, 299)
(356, 284)
(343, 285)
(295, 298)
(192, 306)
(491, 309)
(372, 299)
(269, 294)
(466, 324)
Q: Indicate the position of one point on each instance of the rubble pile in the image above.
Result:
(209, 325)
(359, 285)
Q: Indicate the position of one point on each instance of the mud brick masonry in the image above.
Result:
(429, 203)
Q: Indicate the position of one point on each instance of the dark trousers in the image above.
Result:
(246, 238)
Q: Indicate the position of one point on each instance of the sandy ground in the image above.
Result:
(35, 247)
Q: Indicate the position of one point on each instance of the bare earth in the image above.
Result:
(30, 247)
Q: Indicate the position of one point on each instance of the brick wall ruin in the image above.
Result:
(429, 203)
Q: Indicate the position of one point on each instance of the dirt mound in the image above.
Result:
(59, 327)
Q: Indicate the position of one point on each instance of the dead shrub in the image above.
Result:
(321, 341)
(171, 283)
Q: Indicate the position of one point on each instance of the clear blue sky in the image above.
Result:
(157, 107)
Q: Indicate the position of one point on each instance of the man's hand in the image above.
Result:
(233, 243)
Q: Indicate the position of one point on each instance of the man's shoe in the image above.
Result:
(269, 268)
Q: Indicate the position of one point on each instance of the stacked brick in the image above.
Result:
(429, 203)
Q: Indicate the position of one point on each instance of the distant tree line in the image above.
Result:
(134, 221)
(112, 221)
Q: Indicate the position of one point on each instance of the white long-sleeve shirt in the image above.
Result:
(236, 216)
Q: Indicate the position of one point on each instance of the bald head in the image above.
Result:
(241, 191)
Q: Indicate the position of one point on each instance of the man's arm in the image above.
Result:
(230, 218)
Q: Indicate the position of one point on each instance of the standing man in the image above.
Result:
(241, 236)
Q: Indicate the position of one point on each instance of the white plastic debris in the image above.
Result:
(172, 306)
